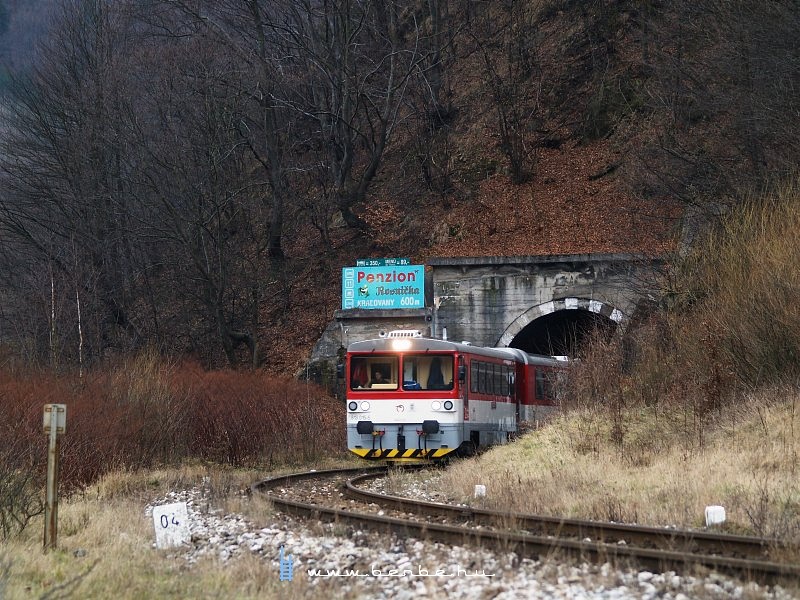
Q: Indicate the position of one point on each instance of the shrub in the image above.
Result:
(143, 413)
(237, 417)
(746, 279)
(21, 498)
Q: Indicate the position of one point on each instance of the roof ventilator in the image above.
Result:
(404, 333)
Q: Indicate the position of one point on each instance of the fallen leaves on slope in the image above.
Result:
(571, 206)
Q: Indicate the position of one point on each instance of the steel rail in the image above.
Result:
(526, 544)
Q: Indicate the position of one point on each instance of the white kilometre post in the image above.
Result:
(55, 423)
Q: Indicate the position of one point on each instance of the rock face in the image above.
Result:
(346, 562)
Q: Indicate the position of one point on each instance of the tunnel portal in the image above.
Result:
(562, 332)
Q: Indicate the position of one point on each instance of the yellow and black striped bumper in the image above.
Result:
(401, 454)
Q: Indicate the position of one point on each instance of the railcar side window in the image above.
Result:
(497, 380)
(428, 372)
(509, 377)
(373, 372)
(491, 378)
(544, 387)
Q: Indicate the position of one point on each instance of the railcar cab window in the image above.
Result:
(373, 372)
(427, 372)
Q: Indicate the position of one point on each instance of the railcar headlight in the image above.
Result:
(353, 405)
(401, 345)
(436, 405)
(448, 405)
(365, 405)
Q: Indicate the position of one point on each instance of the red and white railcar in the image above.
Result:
(410, 397)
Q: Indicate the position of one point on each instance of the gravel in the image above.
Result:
(342, 561)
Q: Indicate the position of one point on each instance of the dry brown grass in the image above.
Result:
(105, 544)
(749, 465)
(144, 413)
(741, 286)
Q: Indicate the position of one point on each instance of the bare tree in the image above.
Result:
(247, 31)
(353, 60)
(203, 207)
(61, 156)
(433, 93)
(719, 99)
(508, 36)
(126, 171)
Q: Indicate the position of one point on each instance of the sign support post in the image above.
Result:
(55, 422)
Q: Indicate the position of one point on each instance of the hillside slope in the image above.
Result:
(449, 190)
(623, 115)
(190, 212)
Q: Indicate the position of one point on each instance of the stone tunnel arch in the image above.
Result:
(558, 327)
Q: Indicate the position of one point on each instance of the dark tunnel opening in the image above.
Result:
(561, 333)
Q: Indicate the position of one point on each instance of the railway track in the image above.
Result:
(750, 559)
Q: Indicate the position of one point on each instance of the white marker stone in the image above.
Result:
(480, 491)
(171, 522)
(714, 515)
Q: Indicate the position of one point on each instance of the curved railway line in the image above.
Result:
(334, 495)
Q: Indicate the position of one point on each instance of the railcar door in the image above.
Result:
(463, 381)
(512, 388)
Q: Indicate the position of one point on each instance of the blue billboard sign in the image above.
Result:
(383, 287)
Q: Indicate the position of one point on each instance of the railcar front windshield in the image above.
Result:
(428, 372)
(419, 372)
(375, 372)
